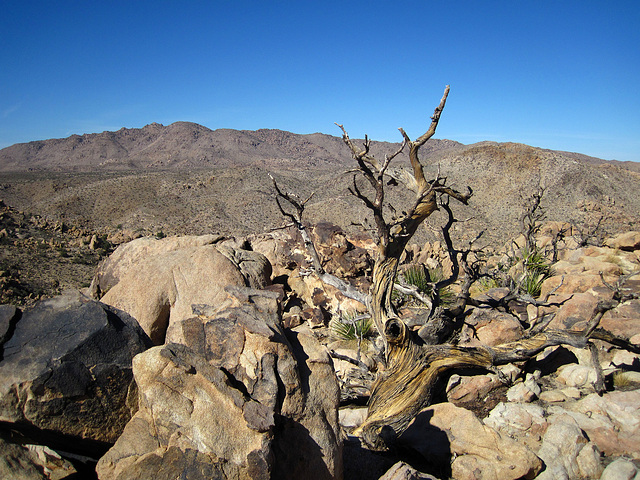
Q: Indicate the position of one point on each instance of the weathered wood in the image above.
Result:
(406, 386)
(392, 237)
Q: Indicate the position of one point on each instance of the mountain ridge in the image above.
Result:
(180, 145)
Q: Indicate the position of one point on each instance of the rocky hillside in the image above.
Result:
(178, 146)
(214, 358)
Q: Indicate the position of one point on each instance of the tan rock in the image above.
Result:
(624, 320)
(574, 375)
(612, 421)
(567, 453)
(490, 327)
(575, 311)
(316, 293)
(620, 469)
(403, 471)
(525, 391)
(573, 283)
(158, 281)
(238, 399)
(625, 241)
(464, 389)
(565, 394)
(478, 450)
(524, 422)
(178, 390)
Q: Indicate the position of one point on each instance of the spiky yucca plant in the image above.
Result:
(352, 327)
(424, 278)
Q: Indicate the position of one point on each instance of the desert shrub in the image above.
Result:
(424, 279)
(536, 270)
(352, 327)
(418, 276)
(621, 379)
(83, 259)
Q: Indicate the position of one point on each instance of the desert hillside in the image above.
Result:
(185, 178)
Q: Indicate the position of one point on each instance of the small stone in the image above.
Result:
(352, 417)
(574, 375)
(524, 391)
(620, 469)
(553, 396)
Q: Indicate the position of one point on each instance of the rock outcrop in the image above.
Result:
(233, 390)
(157, 281)
(476, 450)
(236, 399)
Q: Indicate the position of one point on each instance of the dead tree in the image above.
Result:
(393, 236)
(413, 362)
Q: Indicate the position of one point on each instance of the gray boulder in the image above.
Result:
(66, 371)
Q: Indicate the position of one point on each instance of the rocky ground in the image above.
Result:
(202, 347)
(39, 259)
(246, 341)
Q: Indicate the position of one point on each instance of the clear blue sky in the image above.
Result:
(556, 74)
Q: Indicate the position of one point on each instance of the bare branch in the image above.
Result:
(413, 291)
(359, 155)
(347, 289)
(388, 158)
(353, 361)
(414, 147)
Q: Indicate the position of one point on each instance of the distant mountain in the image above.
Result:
(182, 145)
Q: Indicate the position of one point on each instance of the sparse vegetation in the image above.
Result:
(425, 279)
(536, 270)
(351, 327)
(622, 379)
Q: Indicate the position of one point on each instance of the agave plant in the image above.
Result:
(536, 270)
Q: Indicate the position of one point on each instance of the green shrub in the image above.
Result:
(418, 276)
(351, 327)
(423, 279)
(536, 270)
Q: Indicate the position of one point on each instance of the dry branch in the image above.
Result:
(296, 217)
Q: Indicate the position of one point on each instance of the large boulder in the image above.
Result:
(157, 281)
(611, 421)
(567, 453)
(237, 398)
(66, 371)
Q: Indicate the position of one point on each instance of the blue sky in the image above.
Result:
(556, 74)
